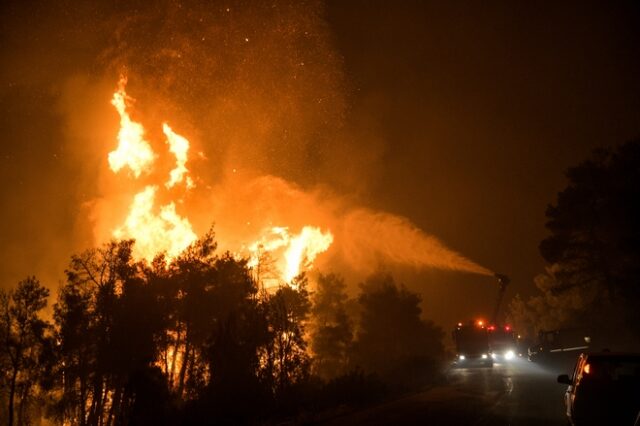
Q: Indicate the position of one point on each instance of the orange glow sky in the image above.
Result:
(460, 119)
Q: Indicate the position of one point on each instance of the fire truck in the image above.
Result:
(480, 343)
(554, 343)
(472, 345)
(503, 343)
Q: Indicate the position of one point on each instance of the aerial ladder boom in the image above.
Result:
(503, 282)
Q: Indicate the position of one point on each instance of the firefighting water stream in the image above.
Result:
(260, 222)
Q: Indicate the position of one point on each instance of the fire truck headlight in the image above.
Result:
(509, 354)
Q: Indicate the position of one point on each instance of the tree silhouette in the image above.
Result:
(192, 340)
(550, 309)
(332, 329)
(393, 340)
(595, 234)
(23, 337)
(76, 352)
(192, 277)
(107, 321)
(238, 329)
(286, 361)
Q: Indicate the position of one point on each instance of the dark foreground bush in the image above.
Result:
(354, 389)
(413, 373)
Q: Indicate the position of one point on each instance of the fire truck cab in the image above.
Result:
(472, 345)
(502, 342)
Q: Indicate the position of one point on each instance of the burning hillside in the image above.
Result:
(159, 228)
(264, 219)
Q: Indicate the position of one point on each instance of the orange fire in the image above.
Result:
(133, 150)
(154, 233)
(156, 230)
(161, 229)
(296, 252)
(179, 146)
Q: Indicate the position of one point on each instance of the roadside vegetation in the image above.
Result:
(592, 252)
(197, 340)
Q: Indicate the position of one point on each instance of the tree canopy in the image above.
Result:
(593, 247)
(193, 340)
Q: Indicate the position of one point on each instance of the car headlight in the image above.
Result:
(509, 354)
(493, 355)
(484, 356)
(461, 357)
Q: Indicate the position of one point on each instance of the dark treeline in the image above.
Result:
(195, 341)
(593, 254)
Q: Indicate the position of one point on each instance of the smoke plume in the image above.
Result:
(365, 240)
(259, 90)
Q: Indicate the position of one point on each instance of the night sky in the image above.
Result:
(460, 117)
(483, 107)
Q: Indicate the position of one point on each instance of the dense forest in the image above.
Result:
(198, 340)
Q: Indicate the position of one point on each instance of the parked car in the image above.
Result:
(603, 390)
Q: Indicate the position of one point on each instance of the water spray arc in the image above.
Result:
(258, 214)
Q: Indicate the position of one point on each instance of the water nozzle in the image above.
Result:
(503, 280)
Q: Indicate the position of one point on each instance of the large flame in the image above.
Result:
(165, 231)
(296, 252)
(160, 229)
(179, 146)
(303, 249)
(249, 208)
(133, 150)
(156, 230)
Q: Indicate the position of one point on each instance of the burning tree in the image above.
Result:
(166, 228)
(191, 338)
(285, 361)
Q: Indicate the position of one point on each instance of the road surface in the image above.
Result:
(515, 393)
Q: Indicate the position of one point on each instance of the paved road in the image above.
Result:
(517, 393)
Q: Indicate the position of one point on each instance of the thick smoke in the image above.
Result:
(254, 85)
(364, 242)
(259, 90)
(263, 87)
